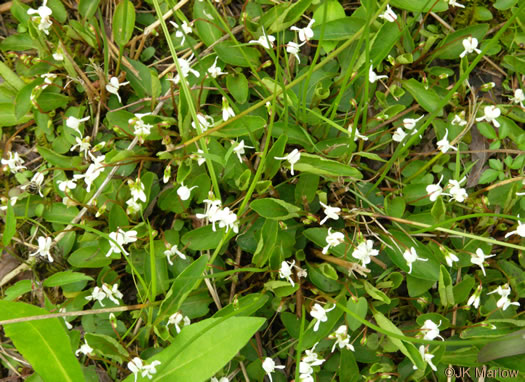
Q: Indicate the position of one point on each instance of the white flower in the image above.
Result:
(74, 123)
(184, 192)
(133, 206)
(97, 294)
(519, 97)
(305, 33)
(458, 193)
(454, 3)
(333, 240)
(122, 238)
(319, 314)
(269, 367)
(227, 112)
(11, 201)
(214, 70)
(388, 15)
(44, 248)
(228, 219)
(410, 123)
(504, 292)
(444, 145)
(173, 250)
(84, 349)
(292, 158)
(83, 146)
(330, 212)
(312, 357)
(435, 190)
(458, 120)
(37, 180)
(223, 379)
(186, 29)
(372, 76)
(114, 85)
(58, 56)
(427, 357)
(66, 185)
(285, 272)
(138, 367)
(450, 258)
(266, 41)
(479, 258)
(142, 129)
(13, 162)
(411, 257)
(357, 135)
(293, 48)
(198, 156)
(490, 115)
(342, 339)
(212, 208)
(48, 79)
(431, 330)
(399, 135)
(93, 171)
(239, 149)
(364, 251)
(185, 70)
(520, 230)
(474, 299)
(112, 293)
(301, 273)
(43, 18)
(470, 44)
(204, 121)
(137, 190)
(178, 319)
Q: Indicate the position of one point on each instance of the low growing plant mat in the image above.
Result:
(308, 191)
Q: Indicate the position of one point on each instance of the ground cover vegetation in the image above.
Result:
(311, 190)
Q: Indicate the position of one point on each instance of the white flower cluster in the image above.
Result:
(456, 192)
(141, 128)
(42, 17)
(410, 125)
(137, 367)
(138, 194)
(179, 320)
(223, 216)
(121, 238)
(307, 364)
(100, 294)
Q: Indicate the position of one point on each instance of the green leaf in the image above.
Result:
(514, 63)
(18, 42)
(44, 343)
(202, 349)
(18, 289)
(395, 207)
(339, 29)
(246, 305)
(511, 344)
(266, 243)
(89, 256)
(23, 100)
(207, 29)
(203, 238)
(487, 130)
(451, 46)
(59, 213)
(87, 8)
(237, 85)
(7, 115)
(144, 83)
(306, 187)
(272, 165)
(407, 348)
(438, 209)
(314, 164)
(10, 77)
(446, 293)
(64, 278)
(185, 282)
(58, 160)
(375, 293)
(107, 346)
(360, 308)
(123, 22)
(290, 16)
(420, 5)
(426, 98)
(10, 225)
(230, 53)
(242, 126)
(503, 5)
(416, 287)
(275, 209)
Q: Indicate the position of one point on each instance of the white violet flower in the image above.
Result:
(399, 135)
(214, 70)
(459, 120)
(475, 298)
(66, 185)
(318, 312)
(364, 251)
(431, 330)
(372, 76)
(454, 3)
(519, 97)
(114, 85)
(185, 69)
(184, 192)
(458, 193)
(122, 238)
(333, 239)
(178, 319)
(520, 230)
(330, 212)
(410, 256)
(74, 123)
(184, 30)
(173, 250)
(450, 258)
(479, 258)
(43, 19)
(292, 158)
(504, 302)
(342, 339)
(204, 121)
(470, 44)
(239, 149)
(305, 33)
(389, 15)
(137, 190)
(112, 293)
(435, 190)
(84, 349)
(285, 272)
(97, 294)
(13, 162)
(444, 145)
(427, 357)
(44, 248)
(293, 48)
(266, 41)
(269, 367)
(490, 115)
(138, 367)
(410, 123)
